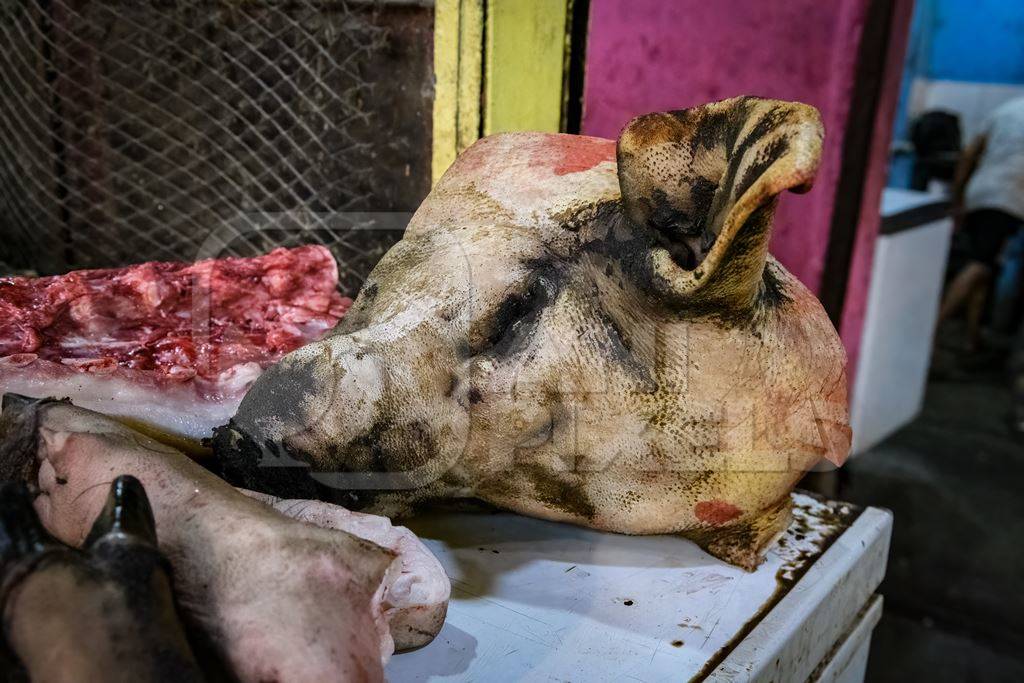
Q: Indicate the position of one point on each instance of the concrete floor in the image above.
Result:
(954, 479)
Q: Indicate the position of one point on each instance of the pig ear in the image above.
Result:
(705, 181)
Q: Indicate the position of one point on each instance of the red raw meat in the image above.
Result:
(171, 345)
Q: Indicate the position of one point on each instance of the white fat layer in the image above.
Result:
(173, 408)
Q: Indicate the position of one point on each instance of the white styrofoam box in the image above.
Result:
(849, 662)
(899, 324)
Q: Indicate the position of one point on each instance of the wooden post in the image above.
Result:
(458, 74)
(500, 65)
(527, 45)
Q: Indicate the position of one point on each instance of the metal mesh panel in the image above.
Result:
(135, 130)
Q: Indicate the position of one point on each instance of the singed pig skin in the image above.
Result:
(103, 614)
(282, 600)
(580, 331)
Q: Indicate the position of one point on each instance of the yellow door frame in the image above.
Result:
(499, 65)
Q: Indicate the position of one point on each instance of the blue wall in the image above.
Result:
(979, 41)
(975, 40)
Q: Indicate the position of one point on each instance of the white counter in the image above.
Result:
(541, 601)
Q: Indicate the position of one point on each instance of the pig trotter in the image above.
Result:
(18, 437)
(24, 544)
(417, 602)
(22, 538)
(127, 513)
(279, 599)
(119, 586)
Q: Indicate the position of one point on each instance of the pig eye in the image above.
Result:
(516, 310)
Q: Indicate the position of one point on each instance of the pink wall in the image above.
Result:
(651, 55)
(855, 305)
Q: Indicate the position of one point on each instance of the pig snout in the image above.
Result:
(333, 419)
(323, 392)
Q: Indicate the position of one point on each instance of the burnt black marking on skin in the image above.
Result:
(19, 437)
(463, 349)
(702, 193)
(674, 226)
(772, 152)
(720, 124)
(681, 253)
(389, 447)
(632, 255)
(706, 129)
(773, 293)
(357, 317)
(621, 348)
(243, 462)
(615, 345)
(421, 450)
(745, 245)
(552, 490)
(514, 322)
(575, 218)
(664, 217)
(768, 123)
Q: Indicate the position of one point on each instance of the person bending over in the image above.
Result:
(988, 205)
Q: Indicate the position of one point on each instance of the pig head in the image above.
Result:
(579, 331)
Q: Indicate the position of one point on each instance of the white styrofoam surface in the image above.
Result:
(849, 662)
(902, 308)
(807, 626)
(897, 200)
(537, 601)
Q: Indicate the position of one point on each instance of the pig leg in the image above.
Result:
(106, 614)
(417, 602)
(281, 600)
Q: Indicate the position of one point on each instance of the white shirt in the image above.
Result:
(998, 180)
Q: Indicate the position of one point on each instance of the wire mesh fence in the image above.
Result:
(134, 131)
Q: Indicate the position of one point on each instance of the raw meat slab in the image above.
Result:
(170, 347)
